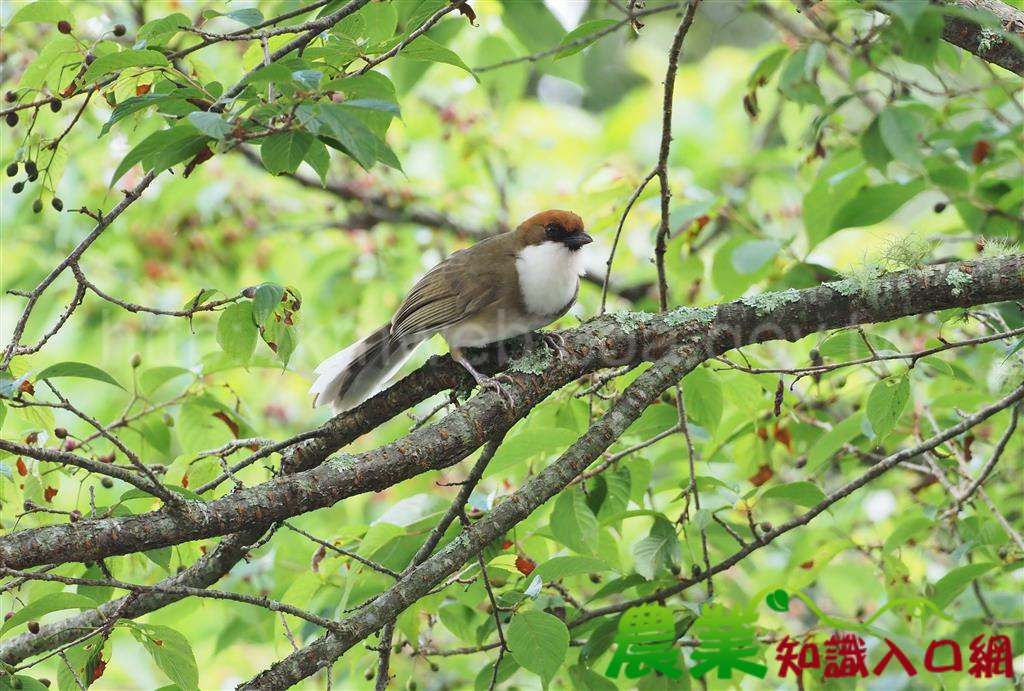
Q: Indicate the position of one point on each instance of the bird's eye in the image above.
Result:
(554, 231)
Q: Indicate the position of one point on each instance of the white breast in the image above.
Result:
(548, 276)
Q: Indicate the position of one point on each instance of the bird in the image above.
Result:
(501, 287)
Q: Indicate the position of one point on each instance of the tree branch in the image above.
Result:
(603, 342)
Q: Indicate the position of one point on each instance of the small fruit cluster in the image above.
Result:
(32, 174)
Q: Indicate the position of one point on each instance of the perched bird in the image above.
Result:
(501, 287)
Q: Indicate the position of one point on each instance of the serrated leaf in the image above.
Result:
(425, 49)
(830, 442)
(132, 105)
(351, 132)
(886, 403)
(171, 652)
(704, 400)
(236, 331)
(659, 549)
(78, 370)
(161, 150)
(268, 297)
(283, 152)
(319, 159)
(159, 31)
(114, 62)
(47, 11)
(573, 523)
(538, 641)
(210, 124)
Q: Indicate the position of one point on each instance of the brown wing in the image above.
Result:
(458, 288)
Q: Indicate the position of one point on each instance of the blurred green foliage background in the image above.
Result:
(859, 146)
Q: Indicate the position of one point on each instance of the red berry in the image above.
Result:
(64, 26)
(10, 97)
(33, 627)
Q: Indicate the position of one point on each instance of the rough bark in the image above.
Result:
(983, 42)
(607, 341)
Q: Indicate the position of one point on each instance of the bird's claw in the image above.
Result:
(494, 384)
(557, 344)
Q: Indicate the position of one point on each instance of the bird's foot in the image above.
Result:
(494, 384)
(557, 344)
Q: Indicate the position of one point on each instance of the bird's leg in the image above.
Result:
(483, 381)
(556, 343)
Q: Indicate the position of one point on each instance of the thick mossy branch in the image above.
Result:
(599, 343)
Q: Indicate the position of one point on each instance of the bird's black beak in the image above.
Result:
(577, 240)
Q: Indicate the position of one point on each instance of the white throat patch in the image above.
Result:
(548, 276)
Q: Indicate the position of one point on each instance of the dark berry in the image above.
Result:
(37, 206)
(119, 30)
(33, 177)
(60, 432)
(107, 482)
(64, 26)
(33, 627)
(12, 170)
(89, 58)
(57, 204)
(12, 119)
(55, 105)
(940, 207)
(10, 97)
(31, 168)
(18, 187)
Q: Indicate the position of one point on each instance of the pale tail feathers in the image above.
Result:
(351, 376)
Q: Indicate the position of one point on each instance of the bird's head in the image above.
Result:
(562, 227)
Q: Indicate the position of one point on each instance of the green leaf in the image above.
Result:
(702, 394)
(155, 377)
(210, 124)
(584, 29)
(886, 403)
(800, 493)
(171, 652)
(953, 583)
(573, 523)
(849, 345)
(873, 148)
(47, 11)
(236, 331)
(767, 67)
(905, 530)
(268, 297)
(374, 104)
(589, 680)
(899, 129)
(132, 105)
(44, 68)
(161, 150)
(754, 254)
(830, 442)
(283, 152)
(114, 62)
(78, 370)
(538, 641)
(873, 205)
(659, 549)
(562, 567)
(425, 49)
(160, 31)
(354, 135)
(250, 16)
(319, 159)
(52, 602)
